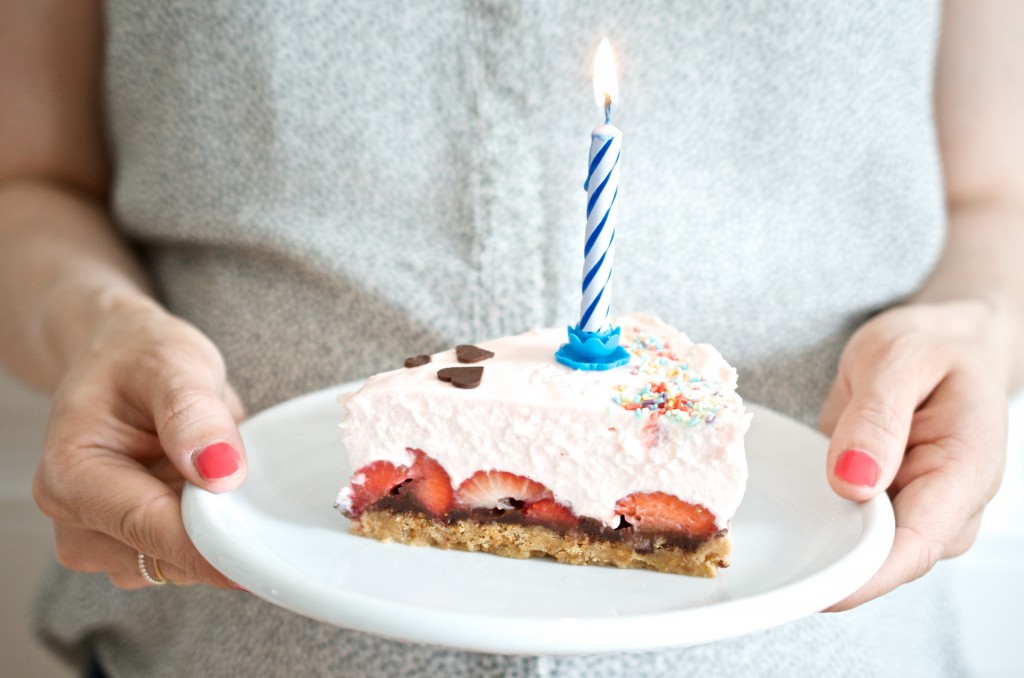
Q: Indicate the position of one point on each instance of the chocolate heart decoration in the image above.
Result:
(461, 377)
(417, 360)
(467, 353)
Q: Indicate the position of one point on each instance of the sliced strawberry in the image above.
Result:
(661, 512)
(372, 482)
(499, 490)
(431, 484)
(550, 513)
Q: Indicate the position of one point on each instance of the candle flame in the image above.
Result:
(606, 83)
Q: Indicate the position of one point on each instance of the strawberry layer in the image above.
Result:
(645, 520)
(669, 422)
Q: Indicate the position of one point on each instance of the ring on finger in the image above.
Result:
(157, 580)
(157, 574)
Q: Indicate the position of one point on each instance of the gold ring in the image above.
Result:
(158, 580)
(157, 574)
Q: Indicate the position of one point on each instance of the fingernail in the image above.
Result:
(239, 588)
(857, 468)
(216, 461)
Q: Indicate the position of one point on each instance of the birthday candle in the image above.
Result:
(602, 192)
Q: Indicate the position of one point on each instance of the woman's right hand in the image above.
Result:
(144, 406)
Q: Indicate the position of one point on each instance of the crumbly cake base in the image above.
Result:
(514, 540)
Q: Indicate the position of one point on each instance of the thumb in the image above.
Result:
(871, 432)
(197, 430)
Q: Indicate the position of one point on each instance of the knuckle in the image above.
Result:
(926, 553)
(156, 362)
(79, 551)
(137, 525)
(904, 347)
(180, 404)
(962, 544)
(75, 558)
(993, 480)
(41, 493)
(186, 347)
(183, 407)
(69, 557)
(882, 418)
(48, 482)
(58, 479)
(902, 352)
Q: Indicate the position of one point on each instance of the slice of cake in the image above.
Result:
(500, 448)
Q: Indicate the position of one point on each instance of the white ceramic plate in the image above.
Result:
(797, 548)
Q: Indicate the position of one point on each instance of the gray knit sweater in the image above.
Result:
(326, 187)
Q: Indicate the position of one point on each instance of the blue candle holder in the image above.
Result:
(592, 350)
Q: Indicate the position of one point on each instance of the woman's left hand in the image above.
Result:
(919, 408)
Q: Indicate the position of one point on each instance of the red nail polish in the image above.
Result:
(217, 461)
(857, 468)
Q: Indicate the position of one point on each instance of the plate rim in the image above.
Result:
(545, 635)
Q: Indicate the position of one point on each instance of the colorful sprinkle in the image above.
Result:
(668, 388)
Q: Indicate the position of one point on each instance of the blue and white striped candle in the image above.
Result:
(602, 193)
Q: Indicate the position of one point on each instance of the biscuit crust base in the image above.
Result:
(530, 541)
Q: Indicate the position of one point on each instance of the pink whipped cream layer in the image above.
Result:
(670, 421)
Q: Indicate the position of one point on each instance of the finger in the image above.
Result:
(870, 435)
(911, 556)
(160, 570)
(234, 403)
(935, 513)
(197, 430)
(85, 550)
(163, 470)
(129, 577)
(144, 514)
(835, 403)
(958, 430)
(134, 582)
(128, 582)
(928, 526)
(922, 531)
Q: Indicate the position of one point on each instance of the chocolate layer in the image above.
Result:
(399, 502)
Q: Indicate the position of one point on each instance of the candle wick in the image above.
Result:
(607, 109)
